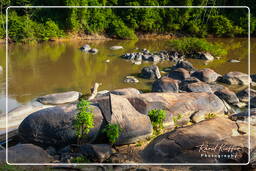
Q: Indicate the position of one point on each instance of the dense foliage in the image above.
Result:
(84, 120)
(112, 132)
(157, 117)
(191, 45)
(46, 23)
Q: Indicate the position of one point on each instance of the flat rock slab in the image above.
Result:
(59, 98)
(25, 153)
(184, 104)
(200, 143)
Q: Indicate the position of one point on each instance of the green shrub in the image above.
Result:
(113, 132)
(84, 120)
(210, 116)
(190, 45)
(157, 117)
(176, 119)
(80, 159)
(49, 30)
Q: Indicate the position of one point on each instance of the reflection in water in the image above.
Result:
(52, 67)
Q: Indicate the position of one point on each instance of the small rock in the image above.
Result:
(207, 75)
(236, 78)
(93, 50)
(155, 58)
(85, 48)
(165, 84)
(107, 61)
(116, 47)
(131, 79)
(234, 61)
(96, 152)
(179, 74)
(184, 64)
(150, 72)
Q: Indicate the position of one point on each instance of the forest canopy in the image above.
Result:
(36, 24)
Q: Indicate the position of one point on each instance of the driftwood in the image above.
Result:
(94, 91)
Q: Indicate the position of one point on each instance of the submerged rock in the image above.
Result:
(85, 48)
(59, 98)
(193, 144)
(165, 84)
(116, 47)
(236, 78)
(207, 75)
(54, 126)
(150, 72)
(93, 50)
(131, 79)
(25, 153)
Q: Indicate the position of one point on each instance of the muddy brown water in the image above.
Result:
(51, 67)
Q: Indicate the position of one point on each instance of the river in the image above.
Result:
(50, 67)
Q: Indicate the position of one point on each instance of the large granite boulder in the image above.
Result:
(135, 126)
(212, 141)
(191, 106)
(150, 72)
(59, 98)
(165, 84)
(54, 126)
(25, 153)
(207, 75)
(236, 78)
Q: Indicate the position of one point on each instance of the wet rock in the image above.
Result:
(197, 87)
(25, 153)
(59, 98)
(165, 84)
(236, 78)
(201, 55)
(93, 50)
(96, 152)
(179, 74)
(150, 72)
(207, 75)
(253, 77)
(185, 64)
(243, 95)
(85, 48)
(116, 47)
(227, 95)
(192, 144)
(126, 91)
(234, 61)
(54, 126)
(131, 79)
(184, 104)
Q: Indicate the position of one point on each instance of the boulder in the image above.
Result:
(201, 55)
(184, 64)
(59, 98)
(227, 95)
(54, 126)
(25, 153)
(179, 74)
(253, 77)
(150, 72)
(216, 87)
(243, 95)
(96, 152)
(131, 79)
(135, 126)
(116, 47)
(126, 91)
(197, 87)
(207, 75)
(236, 78)
(154, 58)
(165, 84)
(189, 105)
(210, 141)
(85, 48)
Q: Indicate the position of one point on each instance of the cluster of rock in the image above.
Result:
(87, 48)
(146, 55)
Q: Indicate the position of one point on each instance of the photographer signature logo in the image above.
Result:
(218, 151)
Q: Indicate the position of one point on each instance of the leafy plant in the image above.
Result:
(176, 119)
(210, 116)
(157, 117)
(113, 132)
(80, 159)
(191, 45)
(84, 120)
